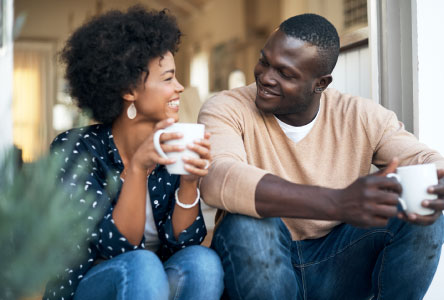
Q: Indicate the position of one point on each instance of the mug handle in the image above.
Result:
(398, 178)
(156, 141)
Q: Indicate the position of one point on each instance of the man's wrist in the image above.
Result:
(332, 210)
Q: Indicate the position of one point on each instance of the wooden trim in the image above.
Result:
(354, 39)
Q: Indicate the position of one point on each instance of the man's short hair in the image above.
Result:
(319, 32)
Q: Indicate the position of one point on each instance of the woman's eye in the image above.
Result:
(169, 79)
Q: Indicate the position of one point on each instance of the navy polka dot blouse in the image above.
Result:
(94, 147)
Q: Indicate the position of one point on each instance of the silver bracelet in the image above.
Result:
(183, 205)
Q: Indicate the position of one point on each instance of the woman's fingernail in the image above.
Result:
(170, 120)
(185, 157)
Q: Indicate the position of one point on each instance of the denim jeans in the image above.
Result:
(194, 272)
(261, 261)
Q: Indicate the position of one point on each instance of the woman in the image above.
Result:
(145, 245)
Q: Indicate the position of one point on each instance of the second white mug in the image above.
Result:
(415, 180)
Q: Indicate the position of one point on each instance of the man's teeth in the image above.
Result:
(173, 103)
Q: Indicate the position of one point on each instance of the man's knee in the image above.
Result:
(244, 228)
(256, 243)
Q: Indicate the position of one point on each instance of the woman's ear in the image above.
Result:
(130, 96)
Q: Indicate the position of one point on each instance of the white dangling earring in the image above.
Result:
(131, 112)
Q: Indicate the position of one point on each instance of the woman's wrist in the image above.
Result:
(187, 205)
(136, 169)
(186, 184)
(187, 191)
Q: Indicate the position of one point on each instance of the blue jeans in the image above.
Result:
(194, 272)
(261, 261)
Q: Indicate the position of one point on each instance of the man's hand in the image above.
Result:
(437, 205)
(370, 201)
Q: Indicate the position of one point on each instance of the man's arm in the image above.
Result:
(369, 201)
(235, 186)
(396, 141)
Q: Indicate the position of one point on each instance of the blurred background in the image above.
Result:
(221, 43)
(388, 53)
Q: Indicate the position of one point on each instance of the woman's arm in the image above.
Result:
(184, 217)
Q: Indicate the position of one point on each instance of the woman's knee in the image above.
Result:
(201, 263)
(197, 271)
(145, 272)
(132, 275)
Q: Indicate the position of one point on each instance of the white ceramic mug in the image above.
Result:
(415, 180)
(191, 132)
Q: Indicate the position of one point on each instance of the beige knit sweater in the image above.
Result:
(349, 135)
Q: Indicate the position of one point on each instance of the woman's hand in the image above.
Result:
(198, 167)
(146, 156)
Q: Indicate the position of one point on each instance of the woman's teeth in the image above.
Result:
(173, 103)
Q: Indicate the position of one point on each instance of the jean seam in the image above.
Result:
(302, 270)
(381, 270)
(179, 284)
(346, 247)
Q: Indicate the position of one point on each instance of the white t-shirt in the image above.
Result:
(296, 133)
(152, 241)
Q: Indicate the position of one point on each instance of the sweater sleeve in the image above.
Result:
(231, 182)
(392, 140)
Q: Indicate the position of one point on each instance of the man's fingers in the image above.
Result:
(386, 184)
(391, 168)
(423, 220)
(437, 204)
(386, 211)
(440, 173)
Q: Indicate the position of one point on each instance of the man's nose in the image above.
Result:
(268, 77)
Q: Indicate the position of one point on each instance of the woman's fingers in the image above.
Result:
(195, 171)
(163, 161)
(197, 162)
(172, 148)
(168, 136)
(164, 124)
(201, 150)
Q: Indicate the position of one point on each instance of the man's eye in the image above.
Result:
(169, 79)
(286, 76)
(263, 62)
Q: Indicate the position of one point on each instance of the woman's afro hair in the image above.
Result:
(106, 57)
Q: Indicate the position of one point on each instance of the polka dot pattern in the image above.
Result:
(95, 153)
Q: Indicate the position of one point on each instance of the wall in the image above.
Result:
(428, 73)
(6, 58)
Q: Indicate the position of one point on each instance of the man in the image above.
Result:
(303, 219)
